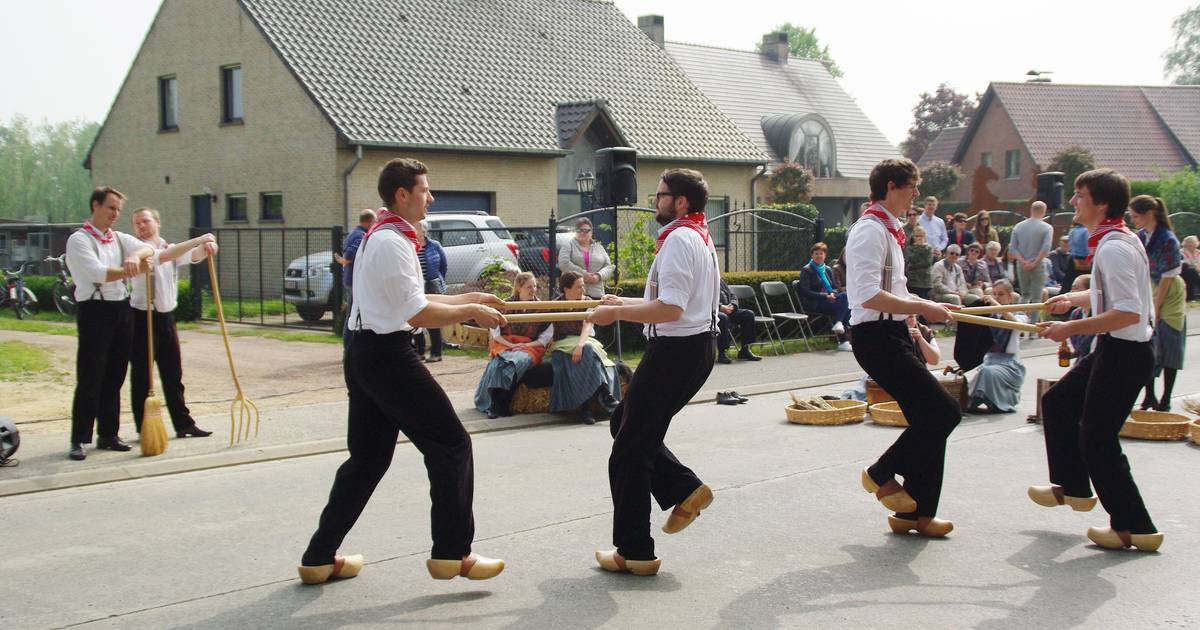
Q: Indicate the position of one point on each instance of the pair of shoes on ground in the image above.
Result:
(1155, 405)
(1107, 537)
(731, 398)
(681, 516)
(472, 567)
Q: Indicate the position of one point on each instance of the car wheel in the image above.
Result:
(311, 313)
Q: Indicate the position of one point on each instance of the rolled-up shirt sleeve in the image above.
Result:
(864, 268)
(676, 282)
(86, 267)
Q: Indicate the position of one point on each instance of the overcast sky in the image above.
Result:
(66, 58)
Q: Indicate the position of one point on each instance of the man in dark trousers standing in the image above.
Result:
(879, 306)
(100, 259)
(392, 391)
(679, 309)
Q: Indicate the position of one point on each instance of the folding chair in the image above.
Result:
(744, 293)
(775, 289)
(817, 318)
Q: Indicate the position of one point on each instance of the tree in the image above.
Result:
(791, 183)
(1181, 190)
(1072, 162)
(940, 179)
(933, 113)
(41, 169)
(1183, 59)
(803, 43)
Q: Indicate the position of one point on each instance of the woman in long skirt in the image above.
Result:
(997, 383)
(515, 348)
(583, 373)
(1170, 295)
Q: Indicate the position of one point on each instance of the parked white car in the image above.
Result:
(472, 241)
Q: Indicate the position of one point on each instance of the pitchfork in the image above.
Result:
(240, 410)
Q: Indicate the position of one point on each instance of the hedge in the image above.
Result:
(1150, 187)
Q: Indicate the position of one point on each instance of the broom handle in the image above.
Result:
(549, 305)
(1002, 308)
(524, 318)
(994, 323)
(150, 325)
(216, 293)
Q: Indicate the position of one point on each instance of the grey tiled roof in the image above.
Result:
(488, 75)
(1179, 108)
(575, 117)
(749, 87)
(943, 146)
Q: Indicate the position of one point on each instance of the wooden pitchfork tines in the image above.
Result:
(241, 410)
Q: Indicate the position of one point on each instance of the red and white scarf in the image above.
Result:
(1116, 224)
(878, 211)
(105, 238)
(387, 216)
(692, 220)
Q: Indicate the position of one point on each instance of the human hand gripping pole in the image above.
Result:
(240, 410)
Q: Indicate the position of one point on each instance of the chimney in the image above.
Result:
(775, 47)
(652, 26)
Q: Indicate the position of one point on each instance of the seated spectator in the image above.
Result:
(949, 285)
(918, 264)
(997, 270)
(583, 373)
(819, 293)
(961, 236)
(1191, 266)
(927, 346)
(975, 271)
(729, 313)
(514, 350)
(997, 384)
(1062, 265)
(911, 223)
(1081, 345)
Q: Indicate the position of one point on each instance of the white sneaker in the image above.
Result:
(845, 347)
(838, 328)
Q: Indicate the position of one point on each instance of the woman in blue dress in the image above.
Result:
(997, 383)
(583, 373)
(1170, 295)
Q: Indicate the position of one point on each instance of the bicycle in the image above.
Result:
(64, 287)
(17, 295)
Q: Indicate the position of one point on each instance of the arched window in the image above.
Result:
(812, 145)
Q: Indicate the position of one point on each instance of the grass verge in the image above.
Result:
(19, 360)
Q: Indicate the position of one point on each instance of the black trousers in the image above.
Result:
(1082, 415)
(1192, 280)
(105, 332)
(744, 318)
(885, 350)
(170, 369)
(672, 370)
(392, 391)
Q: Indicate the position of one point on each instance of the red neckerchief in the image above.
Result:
(1108, 225)
(105, 238)
(692, 220)
(387, 216)
(886, 217)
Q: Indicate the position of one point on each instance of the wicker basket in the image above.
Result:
(956, 386)
(888, 414)
(1155, 425)
(845, 412)
(1194, 427)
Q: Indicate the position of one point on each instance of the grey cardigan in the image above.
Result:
(570, 258)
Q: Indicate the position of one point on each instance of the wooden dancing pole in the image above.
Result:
(524, 318)
(958, 316)
(1003, 308)
(549, 305)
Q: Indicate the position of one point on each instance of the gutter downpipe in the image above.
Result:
(346, 177)
(762, 172)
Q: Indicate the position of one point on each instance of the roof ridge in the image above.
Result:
(1095, 85)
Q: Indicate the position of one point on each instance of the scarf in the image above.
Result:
(691, 220)
(822, 273)
(876, 210)
(387, 216)
(105, 238)
(1095, 236)
(1162, 250)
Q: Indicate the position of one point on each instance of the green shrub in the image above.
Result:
(806, 210)
(186, 310)
(835, 238)
(1152, 188)
(43, 289)
(1181, 190)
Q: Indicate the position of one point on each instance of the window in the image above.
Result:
(272, 206)
(812, 146)
(985, 159)
(168, 104)
(454, 233)
(716, 207)
(231, 94)
(235, 207)
(1012, 164)
(500, 230)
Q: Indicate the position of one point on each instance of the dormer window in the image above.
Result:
(812, 145)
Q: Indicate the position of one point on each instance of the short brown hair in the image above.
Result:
(568, 279)
(900, 172)
(152, 211)
(975, 247)
(366, 214)
(818, 246)
(100, 194)
(689, 184)
(396, 174)
(960, 216)
(1108, 187)
(582, 221)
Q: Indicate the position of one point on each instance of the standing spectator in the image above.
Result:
(935, 227)
(995, 264)
(1191, 266)
(949, 285)
(1062, 267)
(961, 236)
(1030, 244)
(1170, 296)
(910, 222)
(433, 267)
(918, 264)
(587, 258)
(975, 271)
(100, 259)
(1077, 240)
(350, 244)
(984, 232)
(819, 293)
(167, 259)
(729, 313)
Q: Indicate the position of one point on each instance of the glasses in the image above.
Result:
(586, 230)
(912, 214)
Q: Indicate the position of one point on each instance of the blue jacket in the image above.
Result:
(435, 260)
(349, 251)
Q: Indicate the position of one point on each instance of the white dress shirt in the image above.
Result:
(866, 253)
(166, 281)
(935, 231)
(89, 269)
(1124, 284)
(388, 287)
(686, 273)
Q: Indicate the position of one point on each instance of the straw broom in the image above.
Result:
(154, 434)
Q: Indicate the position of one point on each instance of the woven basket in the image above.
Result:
(1194, 427)
(888, 414)
(846, 412)
(956, 386)
(1155, 425)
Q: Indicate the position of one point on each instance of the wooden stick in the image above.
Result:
(549, 305)
(1005, 308)
(993, 322)
(523, 318)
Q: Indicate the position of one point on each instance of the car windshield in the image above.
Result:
(500, 231)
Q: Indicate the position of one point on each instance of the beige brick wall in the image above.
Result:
(286, 145)
(998, 135)
(724, 180)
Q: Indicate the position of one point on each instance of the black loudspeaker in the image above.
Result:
(616, 177)
(1050, 190)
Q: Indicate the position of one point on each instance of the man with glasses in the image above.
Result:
(935, 227)
(949, 283)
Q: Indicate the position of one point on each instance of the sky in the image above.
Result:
(68, 57)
